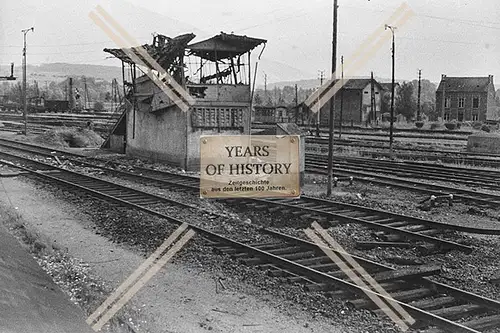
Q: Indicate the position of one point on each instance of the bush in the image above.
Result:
(435, 126)
(450, 126)
(485, 128)
(419, 124)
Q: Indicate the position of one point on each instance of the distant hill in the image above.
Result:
(60, 71)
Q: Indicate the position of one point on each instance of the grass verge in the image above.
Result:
(70, 274)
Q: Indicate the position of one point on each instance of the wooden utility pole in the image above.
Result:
(85, 93)
(341, 96)
(318, 114)
(87, 96)
(332, 101)
(419, 90)
(391, 132)
(373, 106)
(265, 89)
(296, 105)
(25, 104)
(37, 92)
(70, 95)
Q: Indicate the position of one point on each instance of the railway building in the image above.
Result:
(273, 114)
(466, 99)
(359, 99)
(215, 74)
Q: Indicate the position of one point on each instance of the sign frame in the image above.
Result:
(249, 166)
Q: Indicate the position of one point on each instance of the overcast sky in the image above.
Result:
(458, 38)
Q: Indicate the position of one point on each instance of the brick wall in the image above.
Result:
(467, 110)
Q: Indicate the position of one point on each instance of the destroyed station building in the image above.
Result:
(211, 79)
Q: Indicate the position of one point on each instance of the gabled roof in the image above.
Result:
(224, 46)
(358, 84)
(465, 84)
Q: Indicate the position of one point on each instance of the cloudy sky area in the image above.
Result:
(458, 38)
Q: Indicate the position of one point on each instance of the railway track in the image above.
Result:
(391, 226)
(489, 179)
(450, 158)
(398, 133)
(436, 306)
(395, 174)
(457, 156)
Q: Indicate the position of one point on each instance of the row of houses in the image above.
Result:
(465, 99)
(360, 100)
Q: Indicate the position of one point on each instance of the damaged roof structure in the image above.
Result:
(167, 52)
(224, 46)
(212, 77)
(219, 56)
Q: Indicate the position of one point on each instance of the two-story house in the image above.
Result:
(355, 100)
(466, 98)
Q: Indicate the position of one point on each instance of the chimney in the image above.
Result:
(491, 78)
(443, 77)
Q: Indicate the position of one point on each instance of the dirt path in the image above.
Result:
(178, 299)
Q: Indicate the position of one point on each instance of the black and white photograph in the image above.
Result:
(323, 166)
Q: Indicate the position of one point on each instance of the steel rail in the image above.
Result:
(266, 256)
(480, 198)
(189, 182)
(461, 156)
(418, 170)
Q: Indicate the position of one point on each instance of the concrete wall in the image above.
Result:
(484, 143)
(158, 136)
(193, 145)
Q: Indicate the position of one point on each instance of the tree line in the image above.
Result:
(406, 98)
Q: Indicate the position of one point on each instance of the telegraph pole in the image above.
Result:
(296, 104)
(391, 133)
(85, 92)
(419, 90)
(265, 88)
(372, 100)
(25, 104)
(332, 101)
(318, 117)
(70, 95)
